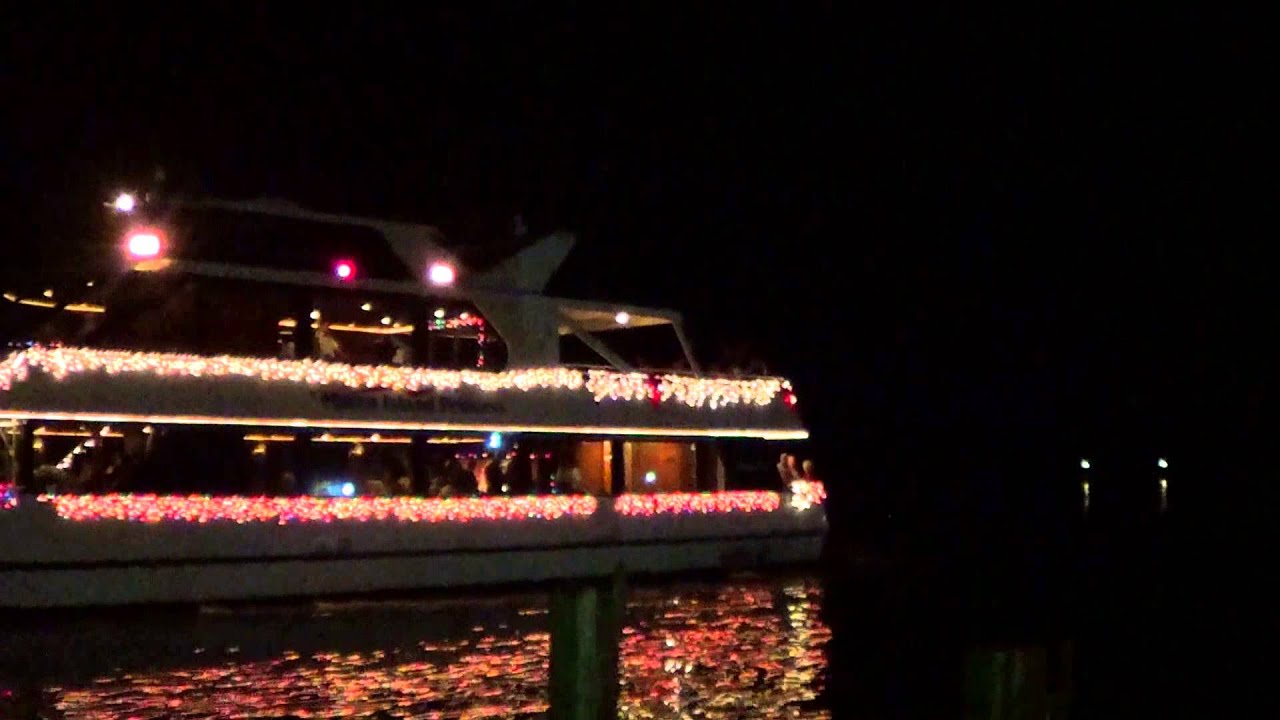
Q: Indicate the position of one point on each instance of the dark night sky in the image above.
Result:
(976, 242)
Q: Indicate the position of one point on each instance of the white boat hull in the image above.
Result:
(51, 562)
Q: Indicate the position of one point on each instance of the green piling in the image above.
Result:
(1007, 685)
(586, 628)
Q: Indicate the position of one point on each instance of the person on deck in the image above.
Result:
(787, 468)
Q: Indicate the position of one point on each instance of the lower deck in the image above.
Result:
(79, 551)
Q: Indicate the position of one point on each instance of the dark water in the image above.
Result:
(733, 649)
(1131, 628)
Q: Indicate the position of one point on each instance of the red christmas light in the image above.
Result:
(344, 270)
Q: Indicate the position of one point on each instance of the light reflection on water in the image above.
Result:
(753, 649)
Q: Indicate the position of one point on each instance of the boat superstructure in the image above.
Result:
(211, 420)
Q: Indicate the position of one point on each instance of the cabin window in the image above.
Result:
(756, 465)
(176, 313)
(653, 348)
(94, 459)
(391, 329)
(212, 316)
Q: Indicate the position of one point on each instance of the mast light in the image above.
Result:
(441, 274)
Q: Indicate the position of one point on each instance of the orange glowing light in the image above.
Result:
(145, 243)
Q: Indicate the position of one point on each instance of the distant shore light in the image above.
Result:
(622, 318)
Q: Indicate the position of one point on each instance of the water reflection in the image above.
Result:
(737, 650)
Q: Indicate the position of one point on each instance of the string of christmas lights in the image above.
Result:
(8, 496)
(807, 493)
(60, 363)
(289, 510)
(697, 503)
(691, 391)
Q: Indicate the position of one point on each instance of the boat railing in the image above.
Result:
(675, 371)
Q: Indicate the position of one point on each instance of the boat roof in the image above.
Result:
(508, 292)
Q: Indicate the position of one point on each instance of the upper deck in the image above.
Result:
(379, 327)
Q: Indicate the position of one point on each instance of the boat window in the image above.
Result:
(660, 466)
(369, 328)
(193, 314)
(177, 313)
(761, 465)
(646, 348)
(50, 308)
(94, 459)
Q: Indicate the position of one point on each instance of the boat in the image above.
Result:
(251, 401)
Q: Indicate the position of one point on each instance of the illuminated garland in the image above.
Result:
(287, 510)
(692, 391)
(8, 496)
(807, 493)
(61, 363)
(697, 503)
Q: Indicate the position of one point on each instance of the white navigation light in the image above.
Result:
(1084, 464)
(622, 318)
(1162, 463)
(440, 274)
(124, 203)
(144, 244)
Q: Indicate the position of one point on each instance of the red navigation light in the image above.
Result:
(344, 270)
(144, 243)
(441, 274)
